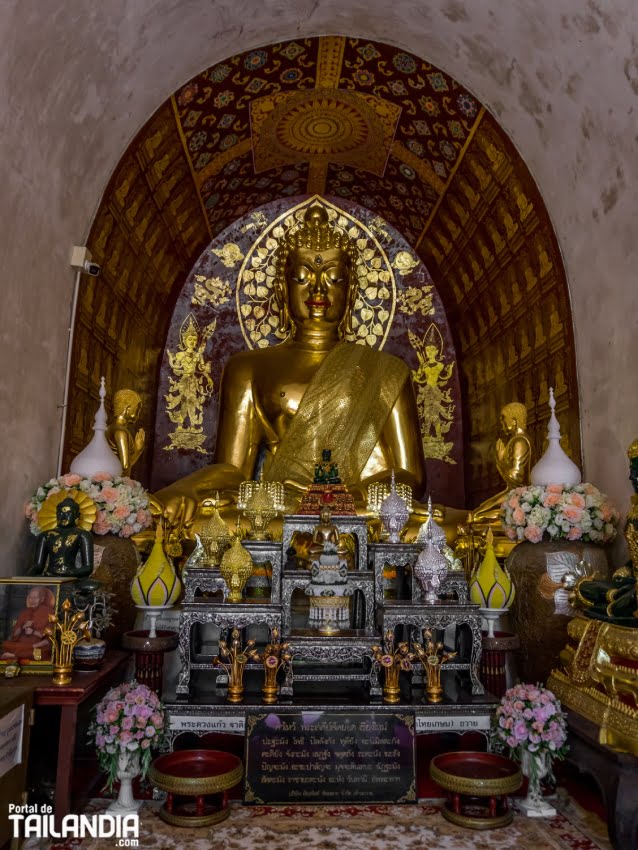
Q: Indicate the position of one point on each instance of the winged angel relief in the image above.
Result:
(434, 400)
(190, 387)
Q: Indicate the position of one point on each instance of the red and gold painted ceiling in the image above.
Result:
(382, 129)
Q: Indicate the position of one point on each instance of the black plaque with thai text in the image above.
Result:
(329, 757)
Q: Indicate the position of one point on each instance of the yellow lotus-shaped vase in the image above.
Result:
(156, 584)
(490, 585)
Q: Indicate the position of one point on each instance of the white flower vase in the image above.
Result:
(128, 767)
(535, 766)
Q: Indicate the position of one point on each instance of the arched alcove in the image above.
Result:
(375, 126)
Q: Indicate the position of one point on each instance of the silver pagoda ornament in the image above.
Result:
(436, 532)
(431, 569)
(394, 513)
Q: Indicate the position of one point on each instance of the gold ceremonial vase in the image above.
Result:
(236, 568)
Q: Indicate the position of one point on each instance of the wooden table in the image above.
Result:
(616, 775)
(69, 698)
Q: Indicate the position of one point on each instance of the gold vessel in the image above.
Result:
(236, 568)
(214, 534)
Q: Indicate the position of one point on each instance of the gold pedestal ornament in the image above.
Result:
(214, 535)
(64, 632)
(432, 656)
(236, 568)
(237, 658)
(393, 660)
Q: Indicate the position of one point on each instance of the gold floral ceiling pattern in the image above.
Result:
(345, 118)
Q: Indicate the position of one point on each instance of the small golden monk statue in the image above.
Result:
(286, 402)
(126, 442)
(513, 458)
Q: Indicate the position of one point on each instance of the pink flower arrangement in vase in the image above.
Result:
(129, 722)
(122, 503)
(578, 512)
(531, 725)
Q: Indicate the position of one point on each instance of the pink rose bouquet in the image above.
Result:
(580, 512)
(530, 718)
(129, 719)
(122, 503)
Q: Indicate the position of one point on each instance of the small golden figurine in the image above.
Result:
(432, 656)
(64, 633)
(274, 657)
(234, 666)
(393, 662)
(121, 436)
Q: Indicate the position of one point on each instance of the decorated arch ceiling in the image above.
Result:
(379, 128)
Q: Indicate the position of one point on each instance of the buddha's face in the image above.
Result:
(67, 515)
(318, 285)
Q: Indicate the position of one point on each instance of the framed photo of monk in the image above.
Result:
(25, 605)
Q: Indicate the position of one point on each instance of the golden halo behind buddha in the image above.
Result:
(375, 303)
(632, 451)
(47, 517)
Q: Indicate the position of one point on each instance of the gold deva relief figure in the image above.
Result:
(513, 457)
(126, 442)
(280, 406)
(433, 398)
(190, 387)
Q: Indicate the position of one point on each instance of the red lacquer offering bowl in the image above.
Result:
(190, 777)
(470, 776)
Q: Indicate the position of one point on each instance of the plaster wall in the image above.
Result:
(77, 80)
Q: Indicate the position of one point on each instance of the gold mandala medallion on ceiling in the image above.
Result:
(374, 307)
(352, 128)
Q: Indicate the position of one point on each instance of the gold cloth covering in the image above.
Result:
(363, 386)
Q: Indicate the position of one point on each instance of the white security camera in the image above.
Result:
(82, 261)
(92, 268)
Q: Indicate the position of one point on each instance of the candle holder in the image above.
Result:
(237, 658)
(393, 660)
(432, 655)
(64, 632)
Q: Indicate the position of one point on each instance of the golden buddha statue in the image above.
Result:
(326, 532)
(127, 443)
(280, 406)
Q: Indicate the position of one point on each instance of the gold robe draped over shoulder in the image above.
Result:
(344, 408)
